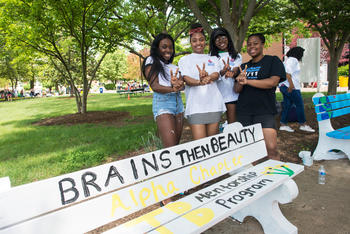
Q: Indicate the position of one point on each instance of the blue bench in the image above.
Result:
(327, 107)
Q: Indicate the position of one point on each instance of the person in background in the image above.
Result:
(204, 102)
(256, 85)
(221, 46)
(290, 90)
(9, 95)
(166, 83)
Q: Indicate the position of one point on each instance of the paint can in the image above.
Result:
(306, 157)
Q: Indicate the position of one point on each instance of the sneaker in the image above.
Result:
(286, 128)
(306, 128)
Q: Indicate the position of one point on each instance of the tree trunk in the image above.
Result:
(85, 94)
(78, 99)
(56, 87)
(236, 22)
(332, 74)
(72, 90)
(76, 94)
(349, 66)
(332, 71)
(16, 83)
(31, 83)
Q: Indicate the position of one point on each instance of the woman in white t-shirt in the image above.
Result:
(291, 91)
(166, 83)
(204, 102)
(221, 46)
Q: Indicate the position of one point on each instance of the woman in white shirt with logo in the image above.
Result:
(165, 81)
(221, 46)
(291, 91)
(204, 102)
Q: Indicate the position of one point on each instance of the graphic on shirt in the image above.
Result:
(232, 62)
(210, 63)
(252, 72)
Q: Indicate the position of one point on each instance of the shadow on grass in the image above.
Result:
(39, 140)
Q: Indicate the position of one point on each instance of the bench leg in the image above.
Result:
(326, 144)
(267, 211)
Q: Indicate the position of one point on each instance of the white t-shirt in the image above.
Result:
(226, 84)
(203, 98)
(164, 81)
(292, 67)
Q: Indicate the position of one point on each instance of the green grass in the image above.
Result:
(29, 152)
(307, 96)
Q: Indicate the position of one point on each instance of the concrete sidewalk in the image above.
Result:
(322, 89)
(319, 209)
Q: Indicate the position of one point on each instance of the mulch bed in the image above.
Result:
(92, 117)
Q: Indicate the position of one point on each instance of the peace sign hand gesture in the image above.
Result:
(176, 83)
(226, 65)
(242, 77)
(202, 72)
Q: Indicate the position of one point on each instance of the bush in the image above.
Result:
(151, 142)
(26, 87)
(343, 70)
(110, 86)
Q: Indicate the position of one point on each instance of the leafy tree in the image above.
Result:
(147, 18)
(64, 28)
(50, 77)
(7, 71)
(330, 18)
(113, 67)
(134, 65)
(343, 70)
(235, 16)
(241, 17)
(16, 62)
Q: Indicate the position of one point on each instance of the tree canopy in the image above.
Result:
(331, 19)
(72, 33)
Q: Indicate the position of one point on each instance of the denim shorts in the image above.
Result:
(167, 103)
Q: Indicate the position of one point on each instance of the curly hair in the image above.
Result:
(296, 52)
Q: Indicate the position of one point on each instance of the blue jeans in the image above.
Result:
(167, 103)
(288, 100)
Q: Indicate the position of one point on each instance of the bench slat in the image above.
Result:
(192, 215)
(333, 114)
(93, 213)
(341, 133)
(331, 106)
(5, 184)
(331, 98)
(96, 212)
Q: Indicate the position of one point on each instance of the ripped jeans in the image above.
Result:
(167, 103)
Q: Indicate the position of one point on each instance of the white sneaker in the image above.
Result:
(306, 128)
(286, 128)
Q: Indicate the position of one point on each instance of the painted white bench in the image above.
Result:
(84, 200)
(327, 107)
